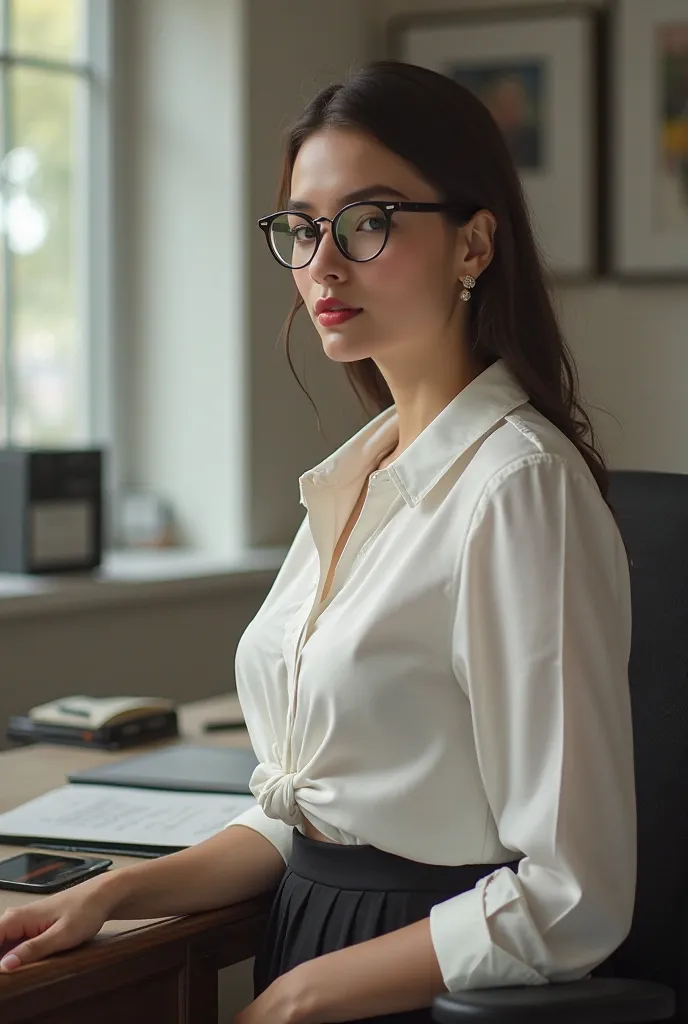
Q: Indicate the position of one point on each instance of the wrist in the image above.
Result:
(304, 1000)
(114, 889)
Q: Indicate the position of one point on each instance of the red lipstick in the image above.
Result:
(332, 312)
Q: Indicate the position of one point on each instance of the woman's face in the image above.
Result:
(404, 297)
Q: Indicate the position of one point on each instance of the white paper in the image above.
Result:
(120, 814)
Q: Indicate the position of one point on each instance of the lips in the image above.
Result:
(332, 312)
(334, 317)
(331, 305)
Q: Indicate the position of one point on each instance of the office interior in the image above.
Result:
(187, 384)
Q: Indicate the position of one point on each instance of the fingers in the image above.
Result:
(34, 949)
(19, 923)
(41, 937)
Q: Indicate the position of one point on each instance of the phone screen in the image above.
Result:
(40, 868)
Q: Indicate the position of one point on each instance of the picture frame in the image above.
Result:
(538, 68)
(649, 120)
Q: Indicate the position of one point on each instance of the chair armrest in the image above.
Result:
(591, 1001)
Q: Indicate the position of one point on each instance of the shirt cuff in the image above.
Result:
(275, 831)
(467, 956)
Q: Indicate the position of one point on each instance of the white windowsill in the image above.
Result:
(129, 576)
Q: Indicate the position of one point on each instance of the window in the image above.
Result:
(53, 155)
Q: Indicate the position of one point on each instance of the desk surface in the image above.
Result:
(227, 935)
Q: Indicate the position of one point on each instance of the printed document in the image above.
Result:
(119, 814)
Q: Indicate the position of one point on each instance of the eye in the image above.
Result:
(371, 223)
(303, 233)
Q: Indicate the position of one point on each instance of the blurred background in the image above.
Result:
(140, 309)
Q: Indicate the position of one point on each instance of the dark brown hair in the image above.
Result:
(451, 139)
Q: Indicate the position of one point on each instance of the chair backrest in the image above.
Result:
(652, 513)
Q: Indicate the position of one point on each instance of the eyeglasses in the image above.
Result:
(360, 230)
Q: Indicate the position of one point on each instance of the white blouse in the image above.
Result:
(462, 697)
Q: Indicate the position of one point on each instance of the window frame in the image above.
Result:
(93, 214)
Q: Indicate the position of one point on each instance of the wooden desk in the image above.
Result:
(133, 972)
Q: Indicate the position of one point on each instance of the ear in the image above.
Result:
(476, 247)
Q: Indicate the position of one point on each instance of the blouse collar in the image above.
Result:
(489, 397)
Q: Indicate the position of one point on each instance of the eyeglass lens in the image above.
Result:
(360, 231)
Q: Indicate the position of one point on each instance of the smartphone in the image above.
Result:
(48, 872)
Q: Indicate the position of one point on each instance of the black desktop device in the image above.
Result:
(51, 510)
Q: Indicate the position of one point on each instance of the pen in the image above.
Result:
(220, 725)
(120, 851)
(79, 712)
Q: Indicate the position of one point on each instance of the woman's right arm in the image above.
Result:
(234, 865)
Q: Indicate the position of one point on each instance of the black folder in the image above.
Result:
(186, 768)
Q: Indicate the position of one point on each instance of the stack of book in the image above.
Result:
(106, 723)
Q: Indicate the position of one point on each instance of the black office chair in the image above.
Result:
(650, 969)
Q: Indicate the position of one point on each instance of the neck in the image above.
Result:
(420, 399)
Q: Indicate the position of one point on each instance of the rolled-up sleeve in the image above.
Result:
(541, 645)
(276, 832)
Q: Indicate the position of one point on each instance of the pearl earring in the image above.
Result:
(467, 282)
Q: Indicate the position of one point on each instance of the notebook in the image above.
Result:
(183, 768)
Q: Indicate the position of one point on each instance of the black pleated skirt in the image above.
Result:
(332, 896)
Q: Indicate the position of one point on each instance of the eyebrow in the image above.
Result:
(369, 192)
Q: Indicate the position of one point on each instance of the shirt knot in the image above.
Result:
(274, 789)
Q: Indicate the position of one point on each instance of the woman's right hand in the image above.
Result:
(53, 923)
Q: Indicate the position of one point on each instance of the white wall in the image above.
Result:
(630, 341)
(214, 419)
(181, 104)
(631, 346)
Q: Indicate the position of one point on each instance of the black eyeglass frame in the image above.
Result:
(386, 208)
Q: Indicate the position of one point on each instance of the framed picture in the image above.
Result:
(650, 133)
(536, 69)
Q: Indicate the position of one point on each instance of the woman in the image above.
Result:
(436, 684)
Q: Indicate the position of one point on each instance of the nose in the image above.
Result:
(328, 264)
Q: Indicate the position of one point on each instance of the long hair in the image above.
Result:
(451, 139)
